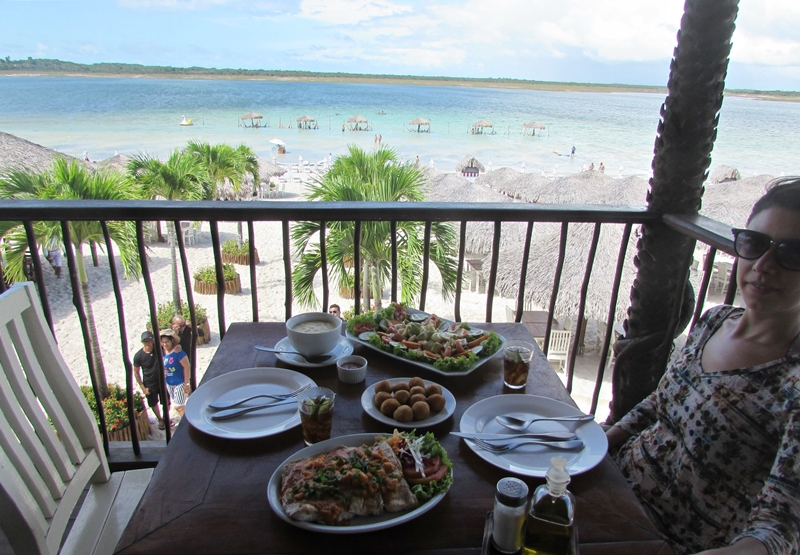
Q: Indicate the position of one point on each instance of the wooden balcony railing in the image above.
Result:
(714, 234)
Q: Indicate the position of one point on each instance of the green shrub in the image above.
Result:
(166, 312)
(231, 246)
(115, 406)
(208, 274)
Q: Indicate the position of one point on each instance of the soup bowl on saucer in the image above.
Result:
(314, 333)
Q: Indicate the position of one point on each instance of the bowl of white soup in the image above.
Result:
(314, 333)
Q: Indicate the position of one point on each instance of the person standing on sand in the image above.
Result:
(334, 310)
(145, 360)
(184, 332)
(176, 367)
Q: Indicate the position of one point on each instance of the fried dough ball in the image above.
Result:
(416, 398)
(436, 402)
(399, 386)
(433, 389)
(380, 397)
(417, 389)
(389, 406)
(421, 410)
(404, 414)
(385, 385)
(414, 382)
(403, 396)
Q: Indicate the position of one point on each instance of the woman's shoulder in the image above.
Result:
(712, 317)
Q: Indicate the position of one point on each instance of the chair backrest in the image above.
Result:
(510, 314)
(559, 343)
(50, 447)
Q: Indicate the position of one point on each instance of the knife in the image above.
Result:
(544, 436)
(233, 413)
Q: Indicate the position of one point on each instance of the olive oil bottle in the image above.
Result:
(550, 521)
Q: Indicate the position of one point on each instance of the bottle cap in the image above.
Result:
(557, 475)
(512, 492)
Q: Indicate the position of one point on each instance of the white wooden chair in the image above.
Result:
(721, 277)
(50, 447)
(559, 348)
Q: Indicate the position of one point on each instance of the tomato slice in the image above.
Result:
(431, 467)
(438, 475)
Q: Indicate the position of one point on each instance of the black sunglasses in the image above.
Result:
(333, 312)
(749, 244)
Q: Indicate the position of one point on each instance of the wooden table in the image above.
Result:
(209, 495)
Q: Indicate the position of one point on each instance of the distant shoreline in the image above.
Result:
(514, 84)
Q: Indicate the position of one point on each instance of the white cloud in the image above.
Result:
(349, 12)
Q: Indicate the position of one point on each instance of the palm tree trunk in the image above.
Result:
(377, 289)
(365, 286)
(94, 345)
(683, 147)
(176, 291)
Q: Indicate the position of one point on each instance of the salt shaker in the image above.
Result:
(510, 508)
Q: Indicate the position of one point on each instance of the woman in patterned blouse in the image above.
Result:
(714, 452)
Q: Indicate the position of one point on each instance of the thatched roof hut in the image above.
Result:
(420, 123)
(479, 126)
(356, 121)
(307, 122)
(117, 163)
(18, 154)
(469, 163)
(730, 202)
(252, 116)
(533, 126)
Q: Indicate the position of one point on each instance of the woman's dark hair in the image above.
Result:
(781, 193)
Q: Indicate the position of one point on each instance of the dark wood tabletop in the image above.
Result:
(209, 495)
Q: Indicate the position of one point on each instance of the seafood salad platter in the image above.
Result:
(425, 340)
(361, 482)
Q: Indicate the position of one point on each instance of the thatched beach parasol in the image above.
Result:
(533, 126)
(117, 163)
(724, 173)
(730, 202)
(252, 116)
(469, 161)
(480, 125)
(19, 154)
(307, 122)
(421, 122)
(358, 120)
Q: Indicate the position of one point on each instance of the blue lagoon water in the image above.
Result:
(106, 115)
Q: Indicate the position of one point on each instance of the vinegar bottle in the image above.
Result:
(550, 520)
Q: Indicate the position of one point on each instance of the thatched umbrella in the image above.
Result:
(117, 163)
(478, 126)
(357, 120)
(252, 116)
(19, 154)
(469, 161)
(533, 126)
(419, 122)
(724, 173)
(305, 122)
(730, 202)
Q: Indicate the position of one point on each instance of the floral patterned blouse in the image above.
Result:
(716, 456)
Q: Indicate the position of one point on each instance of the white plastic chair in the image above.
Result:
(50, 448)
(559, 348)
(721, 277)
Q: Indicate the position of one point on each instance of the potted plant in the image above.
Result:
(233, 253)
(165, 312)
(205, 280)
(115, 409)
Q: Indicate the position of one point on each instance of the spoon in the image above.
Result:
(521, 425)
(316, 359)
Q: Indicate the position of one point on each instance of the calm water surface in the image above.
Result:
(103, 116)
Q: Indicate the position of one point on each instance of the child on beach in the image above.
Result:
(176, 367)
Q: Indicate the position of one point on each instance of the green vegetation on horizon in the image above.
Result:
(59, 67)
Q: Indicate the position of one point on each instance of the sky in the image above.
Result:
(589, 41)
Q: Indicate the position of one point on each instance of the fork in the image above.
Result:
(503, 447)
(231, 404)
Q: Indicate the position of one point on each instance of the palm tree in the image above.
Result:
(181, 177)
(375, 176)
(225, 163)
(71, 181)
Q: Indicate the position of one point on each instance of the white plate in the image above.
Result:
(442, 415)
(343, 348)
(426, 365)
(359, 524)
(534, 460)
(238, 385)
